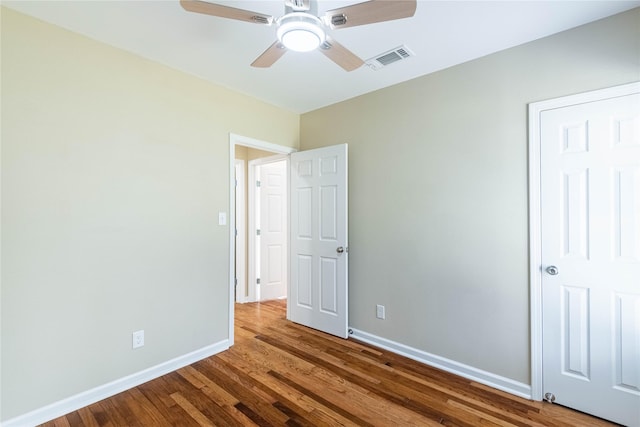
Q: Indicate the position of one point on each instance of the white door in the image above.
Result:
(318, 290)
(273, 230)
(590, 245)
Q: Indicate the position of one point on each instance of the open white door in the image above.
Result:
(273, 230)
(318, 228)
(590, 211)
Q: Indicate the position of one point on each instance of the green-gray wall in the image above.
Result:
(438, 198)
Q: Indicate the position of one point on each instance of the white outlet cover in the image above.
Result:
(222, 218)
(137, 339)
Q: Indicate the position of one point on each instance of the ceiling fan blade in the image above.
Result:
(226, 12)
(340, 55)
(270, 56)
(370, 12)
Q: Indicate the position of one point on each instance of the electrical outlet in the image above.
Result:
(380, 312)
(137, 339)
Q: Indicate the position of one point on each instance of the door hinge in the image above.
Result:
(236, 182)
(236, 232)
(257, 183)
(236, 281)
(258, 232)
(258, 280)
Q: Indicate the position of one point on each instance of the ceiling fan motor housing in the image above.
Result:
(298, 5)
(300, 31)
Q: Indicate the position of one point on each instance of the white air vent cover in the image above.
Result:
(387, 58)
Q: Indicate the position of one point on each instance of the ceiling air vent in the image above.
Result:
(387, 58)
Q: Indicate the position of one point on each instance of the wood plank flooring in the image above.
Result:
(282, 374)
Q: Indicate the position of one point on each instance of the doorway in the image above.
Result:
(318, 290)
(261, 225)
(242, 151)
(585, 252)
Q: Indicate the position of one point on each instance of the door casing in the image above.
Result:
(240, 238)
(535, 246)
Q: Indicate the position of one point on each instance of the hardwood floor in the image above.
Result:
(282, 374)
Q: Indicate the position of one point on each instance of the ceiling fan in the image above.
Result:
(301, 29)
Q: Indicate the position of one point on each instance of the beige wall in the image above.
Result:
(248, 153)
(113, 171)
(438, 192)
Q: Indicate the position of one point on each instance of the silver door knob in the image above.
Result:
(552, 270)
(340, 249)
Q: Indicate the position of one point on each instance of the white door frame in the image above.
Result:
(251, 225)
(260, 145)
(535, 247)
(240, 237)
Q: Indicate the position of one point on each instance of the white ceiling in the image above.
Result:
(441, 34)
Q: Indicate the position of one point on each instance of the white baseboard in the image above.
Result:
(73, 403)
(487, 378)
(104, 391)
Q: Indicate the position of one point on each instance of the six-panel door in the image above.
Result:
(590, 189)
(318, 291)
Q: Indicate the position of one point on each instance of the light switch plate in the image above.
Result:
(222, 218)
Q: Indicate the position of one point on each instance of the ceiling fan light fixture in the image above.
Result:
(300, 31)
